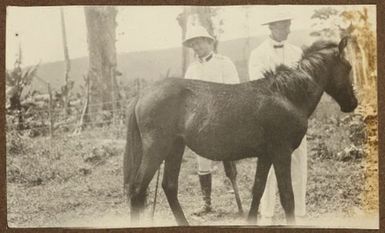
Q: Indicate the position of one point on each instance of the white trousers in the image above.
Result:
(299, 179)
(204, 165)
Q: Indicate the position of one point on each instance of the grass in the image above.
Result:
(77, 180)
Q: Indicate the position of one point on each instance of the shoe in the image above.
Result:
(203, 211)
(206, 183)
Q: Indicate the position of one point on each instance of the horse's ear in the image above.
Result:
(342, 45)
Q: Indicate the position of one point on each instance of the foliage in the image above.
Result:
(327, 126)
(18, 80)
(42, 160)
(324, 13)
(361, 31)
(65, 92)
(326, 23)
(356, 24)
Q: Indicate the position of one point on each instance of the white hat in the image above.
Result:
(196, 32)
(277, 16)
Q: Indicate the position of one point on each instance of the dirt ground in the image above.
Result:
(77, 181)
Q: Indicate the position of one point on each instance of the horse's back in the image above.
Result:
(217, 120)
(161, 104)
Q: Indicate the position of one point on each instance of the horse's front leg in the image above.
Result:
(263, 167)
(282, 167)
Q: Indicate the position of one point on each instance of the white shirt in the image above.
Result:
(213, 68)
(265, 57)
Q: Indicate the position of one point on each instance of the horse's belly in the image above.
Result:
(222, 135)
(217, 148)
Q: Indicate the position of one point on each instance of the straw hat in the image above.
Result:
(277, 16)
(196, 32)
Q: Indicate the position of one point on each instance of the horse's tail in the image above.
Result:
(133, 153)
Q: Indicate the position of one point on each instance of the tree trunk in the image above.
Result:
(205, 14)
(101, 27)
(352, 58)
(67, 87)
(182, 20)
(364, 65)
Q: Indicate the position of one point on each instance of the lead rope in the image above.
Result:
(156, 194)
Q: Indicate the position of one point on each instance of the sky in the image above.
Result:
(140, 28)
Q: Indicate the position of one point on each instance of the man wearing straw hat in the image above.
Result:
(208, 66)
(274, 51)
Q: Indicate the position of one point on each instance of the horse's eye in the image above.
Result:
(349, 67)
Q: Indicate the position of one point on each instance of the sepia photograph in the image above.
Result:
(178, 115)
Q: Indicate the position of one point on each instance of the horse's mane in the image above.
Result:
(294, 83)
(314, 58)
(286, 81)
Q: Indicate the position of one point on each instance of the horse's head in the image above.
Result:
(339, 85)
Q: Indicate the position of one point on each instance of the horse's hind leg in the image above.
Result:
(170, 180)
(231, 173)
(153, 156)
(263, 167)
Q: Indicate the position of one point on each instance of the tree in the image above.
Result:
(332, 24)
(363, 46)
(182, 20)
(68, 85)
(101, 38)
(326, 23)
(17, 80)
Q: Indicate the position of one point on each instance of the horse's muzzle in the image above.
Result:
(351, 107)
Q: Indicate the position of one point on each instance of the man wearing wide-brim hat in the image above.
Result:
(274, 51)
(208, 66)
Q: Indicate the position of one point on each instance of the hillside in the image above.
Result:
(153, 65)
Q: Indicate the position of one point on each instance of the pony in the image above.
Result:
(265, 118)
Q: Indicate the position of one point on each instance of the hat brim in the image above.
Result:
(187, 43)
(275, 21)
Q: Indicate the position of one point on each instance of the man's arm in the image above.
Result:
(230, 73)
(256, 65)
(189, 73)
